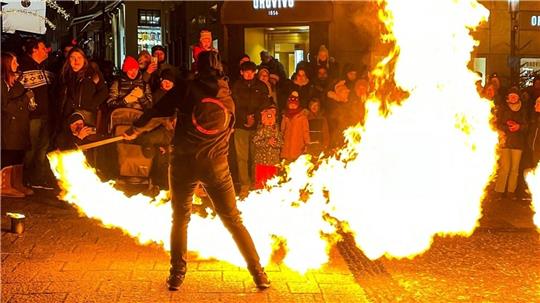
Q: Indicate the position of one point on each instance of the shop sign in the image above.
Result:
(535, 20)
(529, 20)
(272, 6)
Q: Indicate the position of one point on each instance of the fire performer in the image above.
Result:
(201, 144)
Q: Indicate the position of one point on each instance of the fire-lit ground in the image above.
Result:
(64, 258)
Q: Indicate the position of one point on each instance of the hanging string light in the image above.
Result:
(28, 12)
(61, 11)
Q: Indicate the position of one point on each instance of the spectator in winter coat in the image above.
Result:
(304, 87)
(249, 94)
(82, 88)
(147, 65)
(318, 128)
(338, 99)
(323, 59)
(37, 77)
(130, 90)
(321, 84)
(16, 107)
(273, 65)
(534, 134)
(511, 120)
(295, 129)
(76, 132)
(268, 142)
(204, 45)
(498, 97)
(264, 76)
(160, 54)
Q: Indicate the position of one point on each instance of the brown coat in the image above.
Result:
(295, 136)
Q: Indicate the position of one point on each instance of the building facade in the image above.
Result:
(494, 52)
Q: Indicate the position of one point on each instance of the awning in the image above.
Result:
(98, 13)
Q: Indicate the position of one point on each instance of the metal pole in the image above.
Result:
(514, 73)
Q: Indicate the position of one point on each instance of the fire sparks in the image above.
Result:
(418, 171)
(533, 180)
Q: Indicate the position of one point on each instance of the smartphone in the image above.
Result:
(154, 60)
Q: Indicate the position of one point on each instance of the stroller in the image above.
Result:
(133, 166)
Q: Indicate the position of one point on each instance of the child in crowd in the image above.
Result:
(295, 129)
(318, 128)
(267, 142)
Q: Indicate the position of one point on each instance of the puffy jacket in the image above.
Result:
(15, 117)
(123, 86)
(248, 96)
(296, 138)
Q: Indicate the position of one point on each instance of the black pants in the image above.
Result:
(12, 157)
(184, 173)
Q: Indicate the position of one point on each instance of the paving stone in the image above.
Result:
(39, 298)
(106, 275)
(293, 298)
(301, 288)
(62, 257)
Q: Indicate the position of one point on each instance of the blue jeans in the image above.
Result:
(35, 159)
(184, 174)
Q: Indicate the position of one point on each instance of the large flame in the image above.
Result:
(419, 169)
(533, 181)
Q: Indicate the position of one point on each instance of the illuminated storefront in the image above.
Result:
(293, 31)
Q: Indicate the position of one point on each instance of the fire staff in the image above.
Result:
(205, 112)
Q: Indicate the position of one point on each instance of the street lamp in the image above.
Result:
(513, 8)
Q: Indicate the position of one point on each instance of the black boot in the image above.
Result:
(175, 279)
(260, 278)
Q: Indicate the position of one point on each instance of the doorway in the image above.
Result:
(288, 44)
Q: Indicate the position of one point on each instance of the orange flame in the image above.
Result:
(533, 181)
(416, 171)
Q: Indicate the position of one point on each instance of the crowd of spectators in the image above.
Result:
(62, 102)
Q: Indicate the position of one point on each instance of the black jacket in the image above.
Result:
(188, 141)
(15, 117)
(123, 86)
(512, 140)
(82, 94)
(40, 80)
(248, 96)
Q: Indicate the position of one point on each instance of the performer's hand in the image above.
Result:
(272, 141)
(130, 135)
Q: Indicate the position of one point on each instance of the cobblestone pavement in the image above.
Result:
(62, 257)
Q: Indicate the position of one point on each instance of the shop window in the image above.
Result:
(149, 17)
(479, 65)
(149, 29)
(529, 68)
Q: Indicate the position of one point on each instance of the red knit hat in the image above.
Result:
(129, 63)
